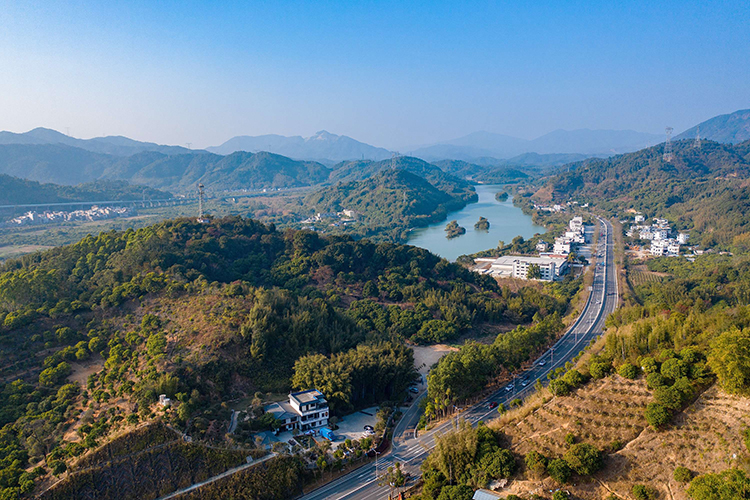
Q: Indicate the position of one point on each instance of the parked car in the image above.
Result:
(414, 390)
(369, 428)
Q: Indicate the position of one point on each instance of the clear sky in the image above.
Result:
(393, 74)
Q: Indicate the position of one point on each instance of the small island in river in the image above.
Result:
(482, 224)
(501, 196)
(453, 230)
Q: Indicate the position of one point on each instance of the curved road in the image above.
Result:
(410, 451)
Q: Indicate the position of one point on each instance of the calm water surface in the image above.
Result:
(506, 222)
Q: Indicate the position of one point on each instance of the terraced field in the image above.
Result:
(608, 413)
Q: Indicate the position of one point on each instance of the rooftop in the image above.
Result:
(281, 410)
(509, 259)
(308, 396)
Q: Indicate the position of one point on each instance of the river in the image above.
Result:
(506, 222)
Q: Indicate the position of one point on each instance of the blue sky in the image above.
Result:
(394, 74)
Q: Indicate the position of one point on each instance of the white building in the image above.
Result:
(562, 246)
(517, 266)
(669, 248)
(682, 238)
(541, 246)
(639, 219)
(576, 224)
(306, 410)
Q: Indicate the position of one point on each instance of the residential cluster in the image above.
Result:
(664, 241)
(336, 219)
(558, 208)
(548, 266)
(50, 217)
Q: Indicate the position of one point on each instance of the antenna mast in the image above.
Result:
(201, 218)
(668, 156)
(698, 138)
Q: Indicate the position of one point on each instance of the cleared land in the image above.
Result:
(608, 413)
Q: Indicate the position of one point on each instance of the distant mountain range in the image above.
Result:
(68, 165)
(583, 142)
(731, 128)
(322, 146)
(112, 145)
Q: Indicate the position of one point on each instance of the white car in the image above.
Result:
(542, 363)
(509, 387)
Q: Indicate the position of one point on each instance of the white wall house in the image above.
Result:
(306, 410)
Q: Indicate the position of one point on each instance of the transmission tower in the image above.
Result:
(668, 156)
(394, 156)
(201, 218)
(698, 138)
(189, 145)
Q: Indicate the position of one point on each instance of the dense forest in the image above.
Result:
(209, 312)
(21, 191)
(703, 190)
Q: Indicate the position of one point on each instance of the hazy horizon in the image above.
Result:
(387, 74)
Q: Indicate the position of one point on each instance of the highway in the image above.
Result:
(410, 451)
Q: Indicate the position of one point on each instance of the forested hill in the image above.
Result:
(21, 191)
(391, 201)
(207, 313)
(69, 165)
(702, 189)
(732, 128)
(359, 170)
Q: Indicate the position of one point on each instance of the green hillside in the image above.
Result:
(732, 128)
(177, 172)
(92, 333)
(359, 170)
(702, 190)
(21, 191)
(390, 202)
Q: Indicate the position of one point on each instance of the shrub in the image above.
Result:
(682, 475)
(560, 495)
(584, 459)
(599, 369)
(628, 370)
(570, 438)
(657, 415)
(674, 368)
(654, 380)
(648, 364)
(643, 492)
(536, 463)
(559, 470)
(730, 484)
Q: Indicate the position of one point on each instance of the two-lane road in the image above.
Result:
(411, 451)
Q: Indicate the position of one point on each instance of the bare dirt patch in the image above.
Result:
(426, 356)
(82, 369)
